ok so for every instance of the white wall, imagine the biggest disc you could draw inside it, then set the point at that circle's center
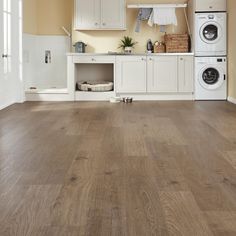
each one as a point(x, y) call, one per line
point(36, 72)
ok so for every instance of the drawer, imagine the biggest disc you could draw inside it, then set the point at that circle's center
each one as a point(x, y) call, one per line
point(94, 59)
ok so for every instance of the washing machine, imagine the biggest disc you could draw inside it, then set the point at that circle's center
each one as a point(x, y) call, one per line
point(207, 5)
point(210, 78)
point(210, 34)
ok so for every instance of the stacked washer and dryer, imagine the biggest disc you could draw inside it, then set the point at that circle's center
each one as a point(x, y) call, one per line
point(208, 25)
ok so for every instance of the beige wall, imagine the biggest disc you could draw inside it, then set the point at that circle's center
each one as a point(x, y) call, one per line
point(30, 16)
point(103, 41)
point(52, 14)
point(45, 17)
point(232, 47)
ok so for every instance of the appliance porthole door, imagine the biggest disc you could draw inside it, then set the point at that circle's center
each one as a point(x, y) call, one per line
point(211, 32)
point(211, 77)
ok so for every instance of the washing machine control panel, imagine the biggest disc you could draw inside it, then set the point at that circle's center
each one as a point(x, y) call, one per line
point(211, 17)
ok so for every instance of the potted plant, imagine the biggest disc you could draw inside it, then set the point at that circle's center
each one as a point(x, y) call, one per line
point(127, 44)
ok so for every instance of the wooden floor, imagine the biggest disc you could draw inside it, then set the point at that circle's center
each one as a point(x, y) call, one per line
point(99, 169)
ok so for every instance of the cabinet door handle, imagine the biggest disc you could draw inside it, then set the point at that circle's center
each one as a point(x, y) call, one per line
point(103, 24)
point(93, 59)
point(181, 59)
point(4, 56)
point(96, 24)
point(143, 59)
point(150, 59)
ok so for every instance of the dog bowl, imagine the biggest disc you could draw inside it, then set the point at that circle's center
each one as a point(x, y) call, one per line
point(128, 100)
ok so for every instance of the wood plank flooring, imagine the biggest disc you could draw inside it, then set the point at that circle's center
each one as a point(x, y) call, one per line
point(100, 169)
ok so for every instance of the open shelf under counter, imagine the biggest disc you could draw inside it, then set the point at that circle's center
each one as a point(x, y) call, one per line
point(94, 71)
point(93, 96)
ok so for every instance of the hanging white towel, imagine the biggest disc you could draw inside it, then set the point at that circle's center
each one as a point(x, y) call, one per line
point(163, 16)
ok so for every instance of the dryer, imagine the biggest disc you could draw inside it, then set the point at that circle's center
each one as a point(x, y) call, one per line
point(210, 36)
point(210, 78)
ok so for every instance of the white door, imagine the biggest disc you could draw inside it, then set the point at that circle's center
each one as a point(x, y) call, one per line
point(6, 95)
point(1, 49)
point(131, 74)
point(162, 74)
point(113, 14)
point(87, 14)
point(11, 87)
point(185, 74)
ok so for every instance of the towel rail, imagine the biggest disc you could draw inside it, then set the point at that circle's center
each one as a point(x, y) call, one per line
point(157, 5)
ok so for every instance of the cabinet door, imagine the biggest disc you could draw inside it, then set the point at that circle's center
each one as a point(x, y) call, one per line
point(185, 74)
point(162, 74)
point(87, 14)
point(112, 14)
point(131, 74)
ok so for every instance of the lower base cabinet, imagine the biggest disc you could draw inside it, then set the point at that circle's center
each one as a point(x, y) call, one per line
point(154, 74)
point(131, 74)
point(185, 74)
point(162, 74)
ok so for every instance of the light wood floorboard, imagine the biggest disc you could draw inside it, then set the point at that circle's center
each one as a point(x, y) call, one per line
point(100, 169)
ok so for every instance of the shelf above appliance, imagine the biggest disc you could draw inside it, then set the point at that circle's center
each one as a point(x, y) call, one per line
point(157, 5)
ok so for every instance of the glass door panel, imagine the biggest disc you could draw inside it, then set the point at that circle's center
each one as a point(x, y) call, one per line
point(7, 22)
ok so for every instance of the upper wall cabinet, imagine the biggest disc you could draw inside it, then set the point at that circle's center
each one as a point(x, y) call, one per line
point(87, 14)
point(99, 15)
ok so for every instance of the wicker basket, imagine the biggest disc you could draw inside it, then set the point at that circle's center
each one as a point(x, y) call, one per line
point(177, 43)
point(159, 47)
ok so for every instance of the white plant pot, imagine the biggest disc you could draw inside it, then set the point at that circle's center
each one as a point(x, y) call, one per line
point(128, 49)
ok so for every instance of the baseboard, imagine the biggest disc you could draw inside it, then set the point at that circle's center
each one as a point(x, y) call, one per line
point(232, 100)
point(34, 97)
point(6, 105)
point(93, 96)
point(160, 97)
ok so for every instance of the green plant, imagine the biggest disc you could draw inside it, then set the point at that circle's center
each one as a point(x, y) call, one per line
point(127, 42)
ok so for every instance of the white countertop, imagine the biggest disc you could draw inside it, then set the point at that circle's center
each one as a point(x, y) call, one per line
point(133, 54)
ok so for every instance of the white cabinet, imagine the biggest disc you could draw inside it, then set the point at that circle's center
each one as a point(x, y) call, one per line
point(185, 74)
point(99, 15)
point(112, 14)
point(162, 74)
point(87, 14)
point(94, 59)
point(131, 74)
